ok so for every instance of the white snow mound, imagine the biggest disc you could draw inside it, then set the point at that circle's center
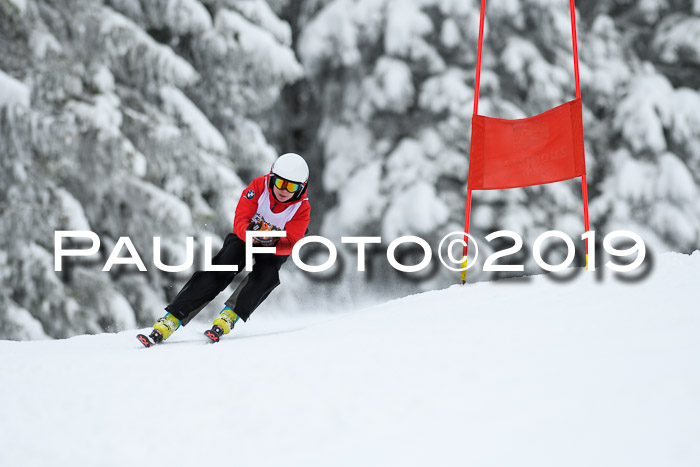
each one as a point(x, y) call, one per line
point(507, 373)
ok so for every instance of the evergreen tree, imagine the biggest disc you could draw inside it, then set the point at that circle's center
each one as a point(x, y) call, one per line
point(126, 118)
point(146, 118)
point(395, 80)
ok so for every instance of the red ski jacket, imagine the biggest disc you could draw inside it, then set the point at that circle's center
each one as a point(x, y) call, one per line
point(248, 207)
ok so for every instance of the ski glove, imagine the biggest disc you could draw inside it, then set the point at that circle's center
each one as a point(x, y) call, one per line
point(262, 241)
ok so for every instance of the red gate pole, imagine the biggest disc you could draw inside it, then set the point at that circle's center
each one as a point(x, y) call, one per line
point(584, 185)
point(475, 112)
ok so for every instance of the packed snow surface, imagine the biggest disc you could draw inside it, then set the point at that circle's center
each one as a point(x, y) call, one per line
point(509, 373)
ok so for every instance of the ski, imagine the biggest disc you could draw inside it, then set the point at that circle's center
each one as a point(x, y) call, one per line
point(145, 340)
point(149, 341)
point(214, 334)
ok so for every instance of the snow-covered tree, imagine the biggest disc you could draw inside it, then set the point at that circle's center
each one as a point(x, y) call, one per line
point(146, 118)
point(127, 118)
point(395, 84)
point(648, 109)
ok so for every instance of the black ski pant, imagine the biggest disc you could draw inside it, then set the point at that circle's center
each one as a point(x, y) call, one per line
point(204, 286)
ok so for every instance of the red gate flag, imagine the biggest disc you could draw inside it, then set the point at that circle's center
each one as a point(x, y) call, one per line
point(542, 149)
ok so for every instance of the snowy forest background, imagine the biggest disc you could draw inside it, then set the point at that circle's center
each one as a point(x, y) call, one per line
point(147, 118)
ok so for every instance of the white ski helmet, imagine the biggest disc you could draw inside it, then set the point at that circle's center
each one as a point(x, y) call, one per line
point(291, 167)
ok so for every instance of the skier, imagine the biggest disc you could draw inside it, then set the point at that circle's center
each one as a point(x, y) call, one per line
point(275, 201)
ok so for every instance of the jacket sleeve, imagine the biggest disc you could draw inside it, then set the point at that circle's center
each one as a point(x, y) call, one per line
point(295, 228)
point(247, 206)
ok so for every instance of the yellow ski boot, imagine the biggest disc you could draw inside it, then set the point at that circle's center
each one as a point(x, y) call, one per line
point(162, 329)
point(222, 324)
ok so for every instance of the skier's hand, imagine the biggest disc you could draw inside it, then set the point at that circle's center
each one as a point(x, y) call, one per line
point(262, 241)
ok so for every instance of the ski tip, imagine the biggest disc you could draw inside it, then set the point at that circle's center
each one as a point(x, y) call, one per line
point(144, 340)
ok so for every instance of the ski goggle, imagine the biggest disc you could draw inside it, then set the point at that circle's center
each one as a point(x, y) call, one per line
point(291, 187)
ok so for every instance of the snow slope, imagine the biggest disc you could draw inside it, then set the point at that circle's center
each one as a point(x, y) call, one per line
point(504, 373)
